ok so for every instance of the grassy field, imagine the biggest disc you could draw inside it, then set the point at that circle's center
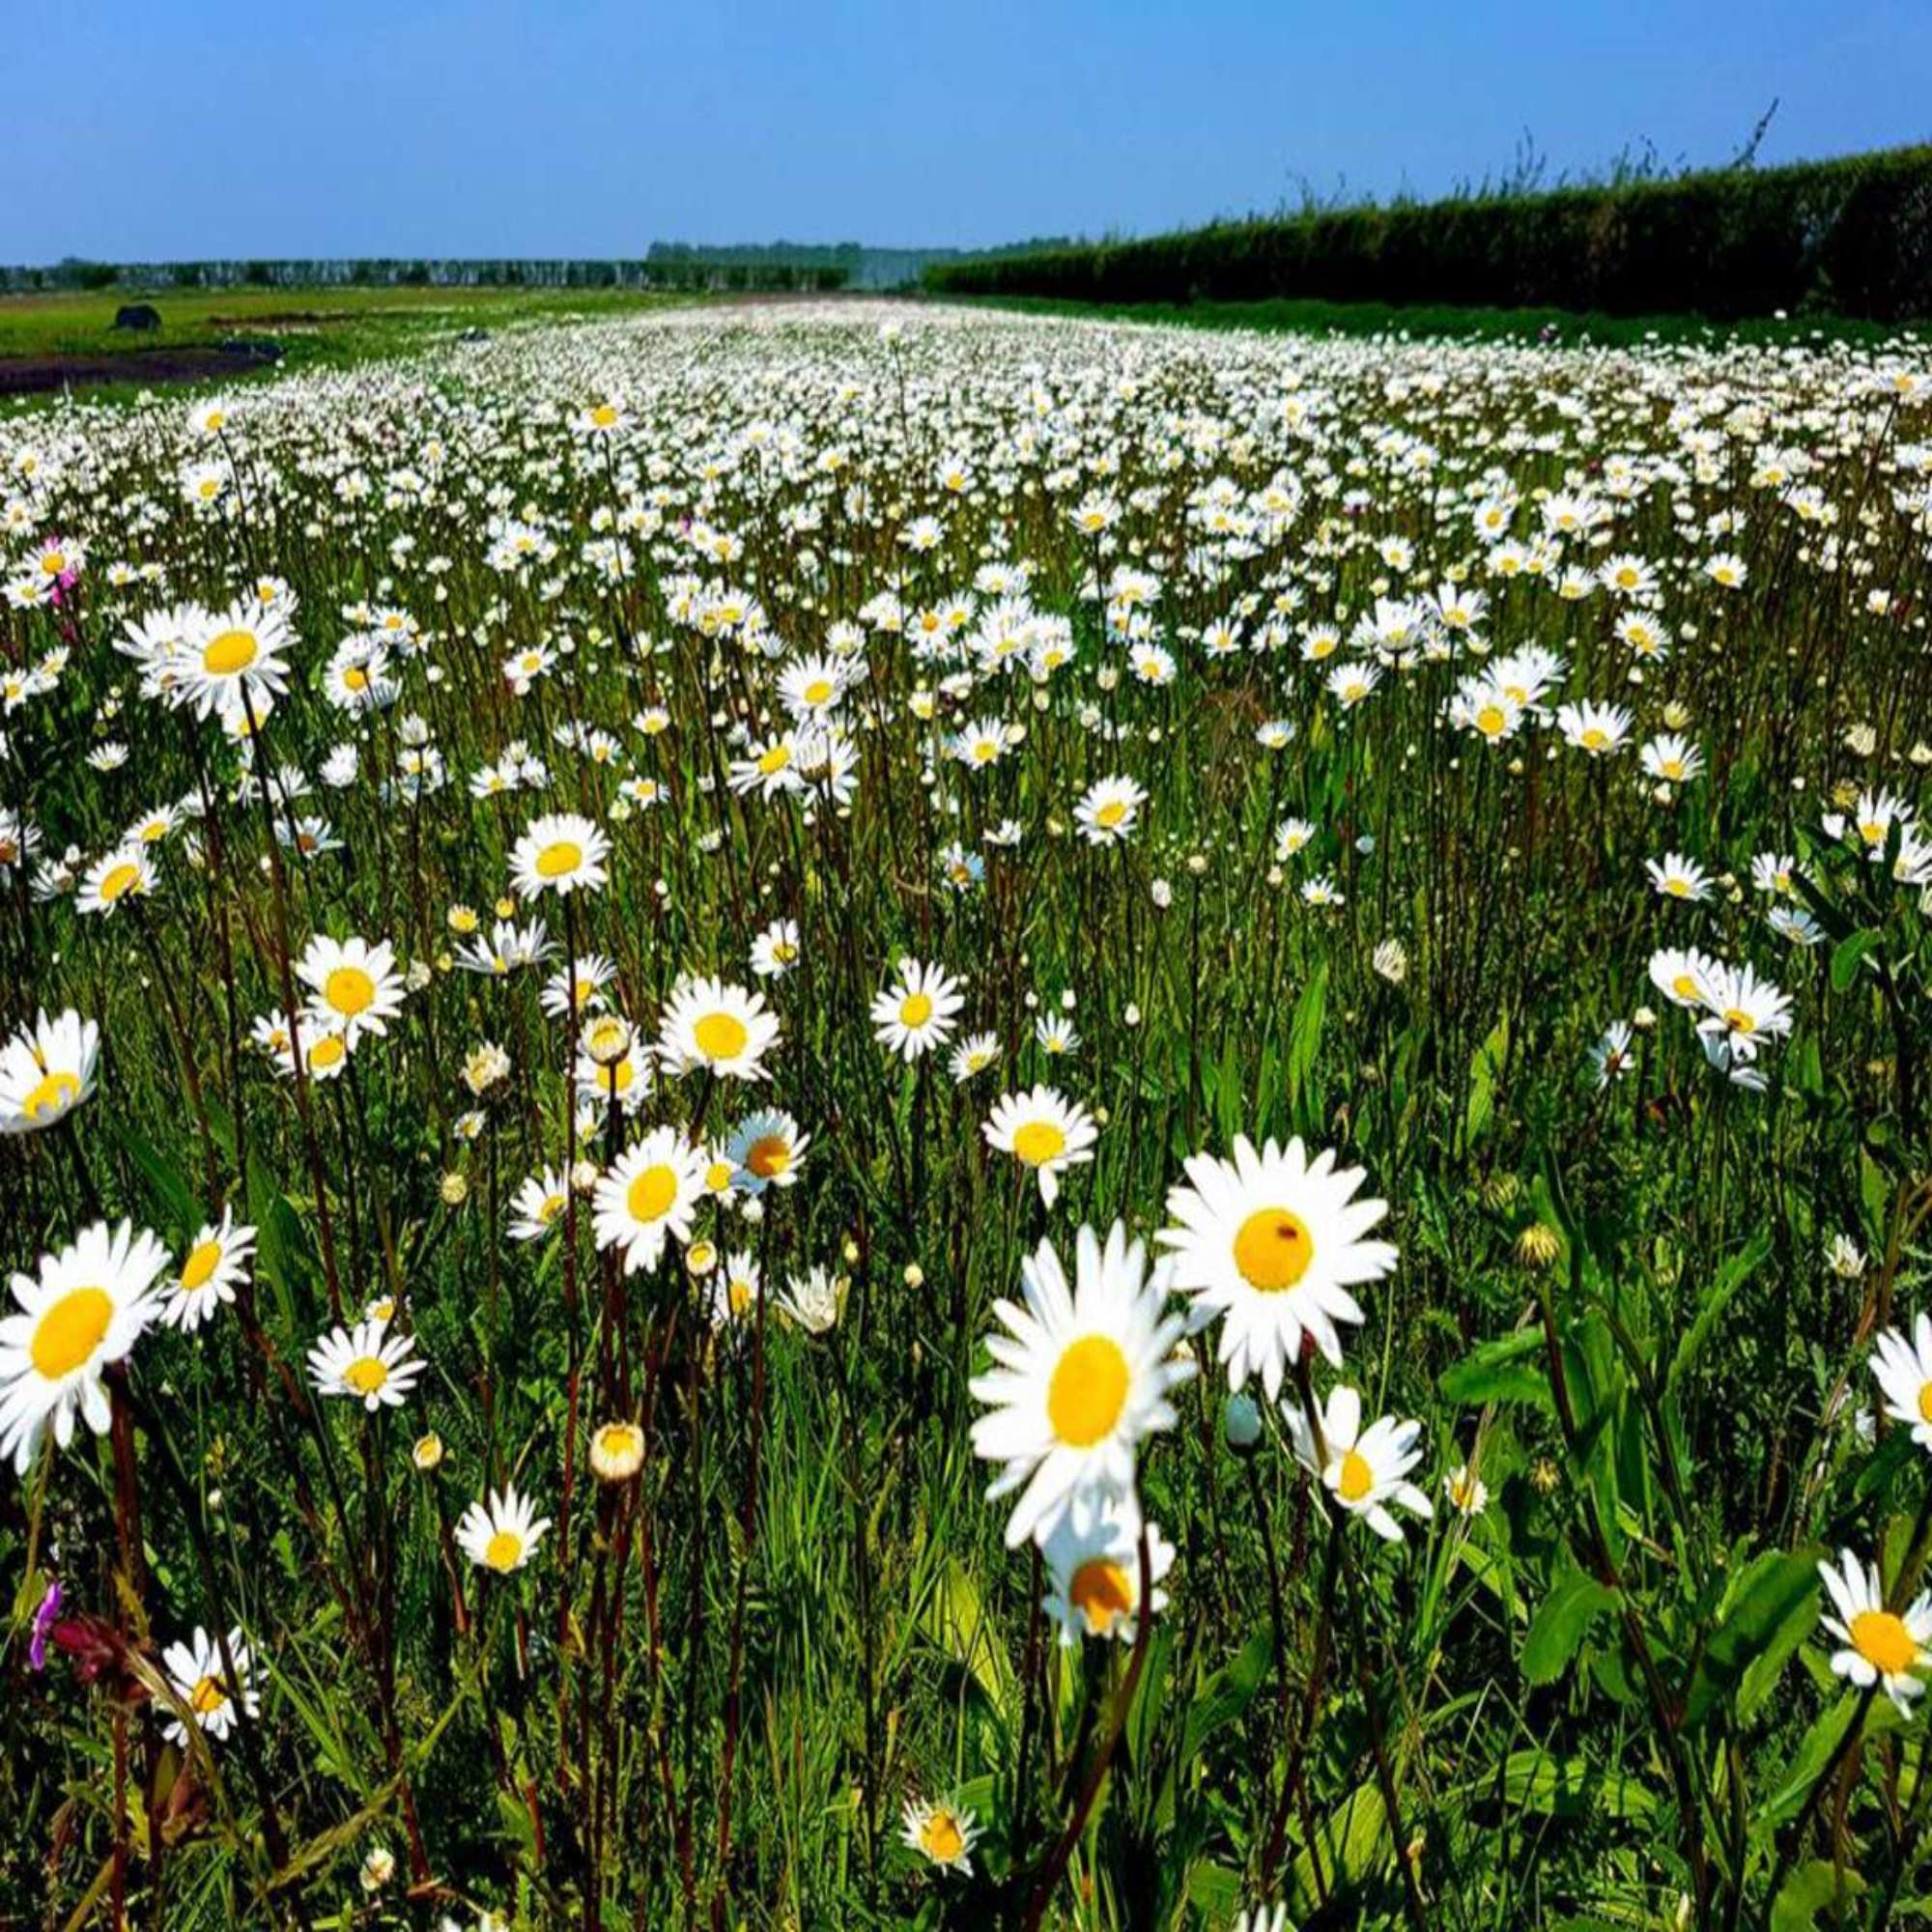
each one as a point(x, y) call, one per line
point(859, 1117)
point(1431, 321)
point(323, 327)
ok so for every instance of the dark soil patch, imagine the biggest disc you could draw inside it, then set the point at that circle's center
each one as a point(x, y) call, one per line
point(29, 374)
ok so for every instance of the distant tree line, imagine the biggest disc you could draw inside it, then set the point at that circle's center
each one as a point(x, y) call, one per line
point(687, 269)
point(1850, 237)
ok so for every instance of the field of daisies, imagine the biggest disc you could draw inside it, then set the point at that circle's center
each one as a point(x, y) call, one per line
point(859, 1117)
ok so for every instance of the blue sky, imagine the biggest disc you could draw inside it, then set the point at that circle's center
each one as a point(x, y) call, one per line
point(195, 128)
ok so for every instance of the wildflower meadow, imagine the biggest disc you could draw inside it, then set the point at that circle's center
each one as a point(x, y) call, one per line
point(862, 1114)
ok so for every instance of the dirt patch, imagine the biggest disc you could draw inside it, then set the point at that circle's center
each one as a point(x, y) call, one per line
point(30, 374)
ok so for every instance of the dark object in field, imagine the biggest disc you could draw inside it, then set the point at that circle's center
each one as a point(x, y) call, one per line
point(22, 374)
point(258, 348)
point(137, 315)
point(474, 334)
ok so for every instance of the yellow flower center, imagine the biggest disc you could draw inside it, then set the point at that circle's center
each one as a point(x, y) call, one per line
point(366, 1374)
point(1110, 813)
point(1272, 1249)
point(652, 1193)
point(504, 1550)
point(1740, 1021)
point(769, 1156)
point(915, 1010)
point(327, 1052)
point(348, 990)
point(54, 1094)
point(69, 1333)
point(355, 678)
point(1490, 721)
point(558, 858)
point(1039, 1142)
point(774, 762)
point(1102, 1592)
point(1884, 1642)
point(605, 415)
point(1356, 1478)
point(118, 879)
point(818, 691)
point(207, 1697)
point(1595, 738)
point(943, 1838)
point(721, 1036)
point(1925, 1402)
point(1087, 1391)
point(202, 1262)
point(229, 652)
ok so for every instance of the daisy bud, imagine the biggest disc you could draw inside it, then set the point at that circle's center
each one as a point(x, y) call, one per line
point(1241, 1422)
point(915, 1275)
point(427, 1452)
point(617, 1451)
point(584, 1177)
point(454, 1189)
point(1537, 1245)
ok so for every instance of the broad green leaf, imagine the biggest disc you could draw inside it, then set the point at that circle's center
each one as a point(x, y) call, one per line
point(1501, 1371)
point(1769, 1611)
point(1561, 1622)
point(1808, 1891)
point(1715, 1302)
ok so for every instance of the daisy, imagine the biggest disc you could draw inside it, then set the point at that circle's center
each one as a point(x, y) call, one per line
point(1682, 977)
point(353, 986)
point(765, 1150)
point(85, 1309)
point(736, 1290)
point(1679, 878)
point(202, 1683)
point(776, 950)
point(1881, 1647)
point(561, 852)
point(1745, 1009)
point(1904, 1371)
point(1672, 757)
point(501, 1534)
point(579, 986)
point(234, 662)
point(367, 1363)
point(1044, 1131)
point(211, 1271)
point(917, 1012)
point(815, 1300)
point(1094, 1573)
point(648, 1197)
point(1273, 1241)
point(943, 1834)
point(1364, 1470)
point(725, 1030)
point(1468, 1493)
point(126, 873)
point(46, 1070)
point(1080, 1376)
point(536, 1205)
point(1107, 811)
point(974, 1055)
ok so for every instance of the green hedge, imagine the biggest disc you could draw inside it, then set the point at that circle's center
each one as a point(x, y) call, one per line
point(1850, 237)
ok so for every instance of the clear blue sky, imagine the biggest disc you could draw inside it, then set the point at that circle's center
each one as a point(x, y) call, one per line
point(163, 128)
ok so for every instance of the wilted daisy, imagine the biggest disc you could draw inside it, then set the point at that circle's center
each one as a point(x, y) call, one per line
point(83, 1309)
point(560, 853)
point(917, 1011)
point(711, 1027)
point(1043, 1130)
point(200, 1679)
point(1094, 1572)
point(1879, 1646)
point(1080, 1376)
point(46, 1070)
point(649, 1198)
point(502, 1533)
point(1273, 1241)
point(215, 1266)
point(943, 1832)
point(367, 1364)
point(1364, 1470)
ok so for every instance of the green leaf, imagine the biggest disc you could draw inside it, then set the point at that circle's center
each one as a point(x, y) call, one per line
point(1808, 1891)
point(1304, 1034)
point(171, 1193)
point(1498, 1372)
point(1552, 1787)
point(1718, 1299)
point(1484, 1071)
point(1227, 1693)
point(1560, 1625)
point(1848, 955)
point(1350, 1841)
point(1771, 1610)
point(958, 1622)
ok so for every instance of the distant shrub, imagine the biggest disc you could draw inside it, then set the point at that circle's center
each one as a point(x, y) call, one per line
point(1850, 237)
